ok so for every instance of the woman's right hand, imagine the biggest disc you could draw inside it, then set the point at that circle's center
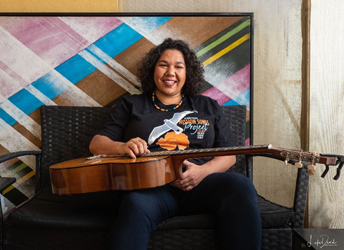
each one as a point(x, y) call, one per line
point(135, 147)
point(103, 145)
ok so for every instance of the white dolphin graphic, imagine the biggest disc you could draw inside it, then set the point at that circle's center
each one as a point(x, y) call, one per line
point(168, 125)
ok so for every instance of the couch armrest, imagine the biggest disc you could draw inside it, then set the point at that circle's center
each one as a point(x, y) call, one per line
point(5, 182)
point(13, 155)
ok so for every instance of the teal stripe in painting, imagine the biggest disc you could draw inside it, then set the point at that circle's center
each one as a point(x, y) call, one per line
point(230, 103)
point(25, 101)
point(75, 69)
point(6, 117)
point(118, 40)
point(50, 85)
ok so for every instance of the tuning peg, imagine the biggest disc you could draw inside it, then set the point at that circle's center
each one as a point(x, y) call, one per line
point(311, 167)
point(311, 173)
point(299, 164)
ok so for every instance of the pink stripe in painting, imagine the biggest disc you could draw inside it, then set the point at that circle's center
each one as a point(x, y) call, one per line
point(55, 39)
point(92, 28)
point(47, 37)
point(217, 95)
point(236, 83)
point(231, 87)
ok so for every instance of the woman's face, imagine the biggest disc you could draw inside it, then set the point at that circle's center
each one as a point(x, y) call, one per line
point(170, 74)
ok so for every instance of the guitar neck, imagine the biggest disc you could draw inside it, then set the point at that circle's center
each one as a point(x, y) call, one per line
point(267, 149)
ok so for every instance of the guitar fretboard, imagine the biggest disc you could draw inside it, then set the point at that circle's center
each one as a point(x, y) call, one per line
point(208, 150)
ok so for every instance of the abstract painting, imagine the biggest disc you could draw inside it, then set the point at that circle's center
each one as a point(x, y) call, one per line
point(91, 60)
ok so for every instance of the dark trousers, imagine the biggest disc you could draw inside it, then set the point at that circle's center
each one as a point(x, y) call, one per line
point(230, 196)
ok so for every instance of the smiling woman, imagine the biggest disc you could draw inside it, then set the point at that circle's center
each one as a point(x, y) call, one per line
point(171, 77)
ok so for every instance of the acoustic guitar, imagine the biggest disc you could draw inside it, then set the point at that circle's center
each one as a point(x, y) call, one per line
point(113, 172)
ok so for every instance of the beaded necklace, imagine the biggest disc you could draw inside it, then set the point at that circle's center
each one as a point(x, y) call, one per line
point(166, 110)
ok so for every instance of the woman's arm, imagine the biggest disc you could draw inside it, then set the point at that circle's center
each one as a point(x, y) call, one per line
point(194, 173)
point(104, 145)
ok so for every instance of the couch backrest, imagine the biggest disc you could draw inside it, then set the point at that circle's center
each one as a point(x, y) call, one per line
point(67, 132)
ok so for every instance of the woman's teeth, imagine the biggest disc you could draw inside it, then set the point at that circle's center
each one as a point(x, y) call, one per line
point(169, 82)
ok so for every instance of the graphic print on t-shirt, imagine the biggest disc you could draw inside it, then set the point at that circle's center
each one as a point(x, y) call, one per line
point(178, 123)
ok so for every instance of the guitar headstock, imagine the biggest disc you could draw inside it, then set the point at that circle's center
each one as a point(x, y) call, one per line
point(296, 157)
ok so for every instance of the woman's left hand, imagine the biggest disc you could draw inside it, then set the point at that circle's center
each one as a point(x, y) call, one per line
point(193, 175)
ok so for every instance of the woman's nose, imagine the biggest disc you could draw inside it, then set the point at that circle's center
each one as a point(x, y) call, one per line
point(170, 71)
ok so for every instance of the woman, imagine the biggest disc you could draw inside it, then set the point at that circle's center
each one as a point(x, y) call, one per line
point(170, 115)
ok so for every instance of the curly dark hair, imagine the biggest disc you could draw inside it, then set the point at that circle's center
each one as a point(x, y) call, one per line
point(194, 70)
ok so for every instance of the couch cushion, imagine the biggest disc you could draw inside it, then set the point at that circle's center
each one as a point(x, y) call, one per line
point(274, 215)
point(92, 211)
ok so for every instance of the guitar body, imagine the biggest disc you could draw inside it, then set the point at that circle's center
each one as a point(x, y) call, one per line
point(113, 173)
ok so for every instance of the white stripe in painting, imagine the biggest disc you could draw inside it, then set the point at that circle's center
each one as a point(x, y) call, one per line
point(112, 75)
point(115, 65)
point(13, 141)
point(20, 59)
point(21, 118)
point(9, 86)
point(2, 98)
point(39, 95)
point(230, 91)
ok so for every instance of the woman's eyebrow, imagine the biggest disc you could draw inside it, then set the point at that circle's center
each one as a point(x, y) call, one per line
point(164, 61)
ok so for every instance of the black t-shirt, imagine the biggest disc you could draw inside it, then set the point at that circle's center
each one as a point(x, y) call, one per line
point(198, 123)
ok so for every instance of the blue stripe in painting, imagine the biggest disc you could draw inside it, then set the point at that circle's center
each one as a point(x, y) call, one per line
point(6, 117)
point(51, 85)
point(118, 40)
point(25, 101)
point(75, 69)
point(230, 103)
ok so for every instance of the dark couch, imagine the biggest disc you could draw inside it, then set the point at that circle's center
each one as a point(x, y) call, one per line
point(49, 221)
